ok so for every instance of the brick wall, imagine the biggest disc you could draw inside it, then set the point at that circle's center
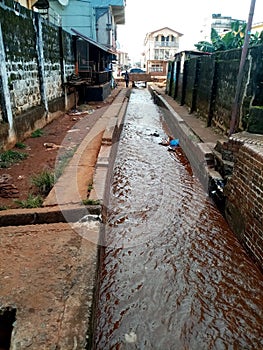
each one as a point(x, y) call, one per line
point(244, 199)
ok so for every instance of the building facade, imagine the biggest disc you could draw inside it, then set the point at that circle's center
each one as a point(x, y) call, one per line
point(257, 28)
point(222, 24)
point(160, 46)
point(95, 19)
point(95, 24)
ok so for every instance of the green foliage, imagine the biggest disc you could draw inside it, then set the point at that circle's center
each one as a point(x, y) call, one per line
point(44, 182)
point(90, 187)
point(205, 46)
point(10, 157)
point(20, 145)
point(31, 202)
point(37, 133)
point(3, 207)
point(256, 39)
point(232, 39)
point(91, 202)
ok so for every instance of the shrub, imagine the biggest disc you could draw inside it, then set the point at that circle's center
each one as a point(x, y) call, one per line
point(91, 202)
point(31, 201)
point(10, 157)
point(20, 145)
point(3, 207)
point(37, 133)
point(44, 181)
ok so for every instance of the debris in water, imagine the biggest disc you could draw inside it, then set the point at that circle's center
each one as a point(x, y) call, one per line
point(130, 337)
point(174, 142)
point(156, 134)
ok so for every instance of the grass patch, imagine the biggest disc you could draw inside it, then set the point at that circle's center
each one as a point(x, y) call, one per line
point(44, 182)
point(20, 145)
point(3, 207)
point(10, 157)
point(91, 202)
point(37, 133)
point(31, 202)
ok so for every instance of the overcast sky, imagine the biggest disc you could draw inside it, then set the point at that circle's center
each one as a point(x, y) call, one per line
point(184, 16)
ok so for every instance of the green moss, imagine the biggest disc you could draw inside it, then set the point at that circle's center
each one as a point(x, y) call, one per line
point(255, 120)
point(91, 202)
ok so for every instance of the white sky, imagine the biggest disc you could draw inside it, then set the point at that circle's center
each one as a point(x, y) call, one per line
point(183, 16)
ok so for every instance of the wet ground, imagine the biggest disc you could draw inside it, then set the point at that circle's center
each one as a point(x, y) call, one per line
point(173, 276)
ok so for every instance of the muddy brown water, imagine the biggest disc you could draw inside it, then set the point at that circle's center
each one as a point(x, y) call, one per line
point(173, 275)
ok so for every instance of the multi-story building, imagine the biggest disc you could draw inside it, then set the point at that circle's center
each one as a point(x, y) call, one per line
point(122, 62)
point(257, 28)
point(95, 19)
point(160, 46)
point(94, 24)
point(223, 23)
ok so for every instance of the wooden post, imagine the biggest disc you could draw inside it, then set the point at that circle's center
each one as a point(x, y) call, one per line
point(6, 100)
point(236, 105)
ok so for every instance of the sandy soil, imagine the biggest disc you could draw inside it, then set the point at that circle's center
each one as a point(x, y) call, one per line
point(63, 133)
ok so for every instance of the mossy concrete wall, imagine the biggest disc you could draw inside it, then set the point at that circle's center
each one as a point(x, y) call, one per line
point(190, 82)
point(38, 59)
point(208, 87)
point(204, 96)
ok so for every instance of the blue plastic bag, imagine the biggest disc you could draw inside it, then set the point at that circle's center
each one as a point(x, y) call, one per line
point(174, 142)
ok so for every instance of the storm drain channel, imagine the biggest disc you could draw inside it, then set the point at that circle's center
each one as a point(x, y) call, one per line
point(172, 274)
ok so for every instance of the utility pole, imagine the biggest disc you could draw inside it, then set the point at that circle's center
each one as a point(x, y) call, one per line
point(236, 105)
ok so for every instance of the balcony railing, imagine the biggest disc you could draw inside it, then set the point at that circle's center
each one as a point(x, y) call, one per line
point(166, 44)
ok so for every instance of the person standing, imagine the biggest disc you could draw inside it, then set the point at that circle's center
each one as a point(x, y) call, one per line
point(127, 78)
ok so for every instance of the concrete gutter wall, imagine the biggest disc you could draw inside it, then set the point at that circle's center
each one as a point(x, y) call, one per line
point(197, 152)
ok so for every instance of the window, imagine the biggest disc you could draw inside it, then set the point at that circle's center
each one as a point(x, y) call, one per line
point(156, 68)
point(167, 54)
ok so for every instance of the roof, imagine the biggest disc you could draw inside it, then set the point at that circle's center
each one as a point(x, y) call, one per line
point(165, 28)
point(93, 42)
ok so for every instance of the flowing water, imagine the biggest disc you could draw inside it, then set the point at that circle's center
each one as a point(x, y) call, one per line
point(173, 274)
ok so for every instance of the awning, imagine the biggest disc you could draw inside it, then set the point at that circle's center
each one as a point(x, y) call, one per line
point(95, 43)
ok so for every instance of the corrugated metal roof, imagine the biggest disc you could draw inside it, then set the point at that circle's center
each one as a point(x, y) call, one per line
point(93, 42)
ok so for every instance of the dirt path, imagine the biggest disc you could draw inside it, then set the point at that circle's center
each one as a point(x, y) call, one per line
point(65, 132)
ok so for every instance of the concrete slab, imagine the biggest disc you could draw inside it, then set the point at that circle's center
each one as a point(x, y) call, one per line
point(47, 274)
point(73, 184)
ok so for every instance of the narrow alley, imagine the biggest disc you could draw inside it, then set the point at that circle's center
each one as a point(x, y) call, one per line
point(173, 276)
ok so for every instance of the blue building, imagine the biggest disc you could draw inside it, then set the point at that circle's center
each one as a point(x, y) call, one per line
point(95, 19)
point(94, 26)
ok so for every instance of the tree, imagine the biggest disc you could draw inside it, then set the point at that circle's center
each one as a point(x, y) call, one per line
point(232, 39)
